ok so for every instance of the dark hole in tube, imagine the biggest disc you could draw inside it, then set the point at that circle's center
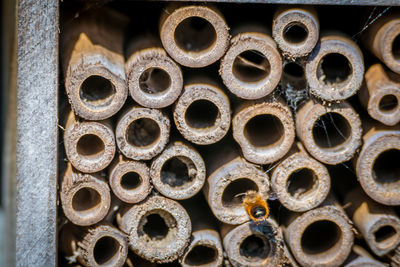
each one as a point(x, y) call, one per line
point(388, 103)
point(142, 132)
point(105, 249)
point(233, 193)
point(178, 171)
point(155, 227)
point(335, 67)
point(85, 199)
point(154, 81)
point(295, 33)
point(130, 180)
point(396, 47)
point(301, 182)
point(201, 114)
point(195, 34)
point(385, 233)
point(251, 66)
point(200, 255)
point(386, 168)
point(97, 91)
point(331, 130)
point(263, 130)
point(320, 236)
point(255, 248)
point(90, 145)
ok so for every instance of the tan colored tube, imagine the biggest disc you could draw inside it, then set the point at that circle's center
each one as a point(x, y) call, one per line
point(361, 258)
point(381, 96)
point(378, 224)
point(130, 180)
point(252, 66)
point(377, 166)
point(332, 133)
point(178, 172)
point(85, 198)
point(142, 133)
point(264, 129)
point(158, 229)
point(226, 182)
point(202, 113)
point(247, 245)
point(335, 71)
point(320, 237)
point(102, 245)
point(382, 39)
point(296, 30)
point(300, 182)
point(93, 64)
point(154, 79)
point(89, 145)
point(194, 36)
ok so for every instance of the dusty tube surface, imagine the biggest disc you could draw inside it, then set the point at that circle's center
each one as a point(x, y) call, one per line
point(130, 180)
point(377, 166)
point(381, 96)
point(296, 31)
point(331, 134)
point(246, 245)
point(335, 71)
point(378, 224)
point(102, 245)
point(158, 229)
point(93, 64)
point(383, 40)
point(85, 198)
point(142, 133)
point(252, 66)
point(300, 182)
point(361, 258)
point(154, 79)
point(320, 237)
point(226, 182)
point(202, 113)
point(178, 172)
point(264, 130)
point(89, 145)
point(194, 36)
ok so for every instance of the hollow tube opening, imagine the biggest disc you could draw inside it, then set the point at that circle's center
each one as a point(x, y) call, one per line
point(97, 91)
point(251, 66)
point(331, 130)
point(320, 237)
point(178, 171)
point(143, 132)
point(255, 248)
point(234, 192)
point(388, 103)
point(386, 168)
point(301, 182)
point(130, 181)
point(201, 255)
point(396, 47)
point(201, 114)
point(195, 34)
point(295, 33)
point(155, 226)
point(106, 250)
point(90, 145)
point(334, 68)
point(86, 199)
point(264, 130)
point(154, 81)
point(386, 236)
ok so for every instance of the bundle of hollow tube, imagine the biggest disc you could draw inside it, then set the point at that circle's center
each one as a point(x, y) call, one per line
point(161, 151)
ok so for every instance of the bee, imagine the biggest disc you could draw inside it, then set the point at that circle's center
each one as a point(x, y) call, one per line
point(255, 206)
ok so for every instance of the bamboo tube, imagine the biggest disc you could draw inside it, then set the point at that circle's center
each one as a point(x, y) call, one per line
point(85, 198)
point(101, 245)
point(194, 36)
point(331, 134)
point(378, 224)
point(361, 258)
point(130, 180)
point(158, 229)
point(381, 96)
point(264, 130)
point(248, 245)
point(377, 167)
point(93, 64)
point(252, 66)
point(178, 172)
point(296, 30)
point(335, 71)
point(320, 237)
point(202, 112)
point(300, 182)
point(142, 133)
point(154, 79)
point(89, 145)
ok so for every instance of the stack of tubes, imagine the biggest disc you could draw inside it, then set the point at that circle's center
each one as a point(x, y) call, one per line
point(159, 161)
